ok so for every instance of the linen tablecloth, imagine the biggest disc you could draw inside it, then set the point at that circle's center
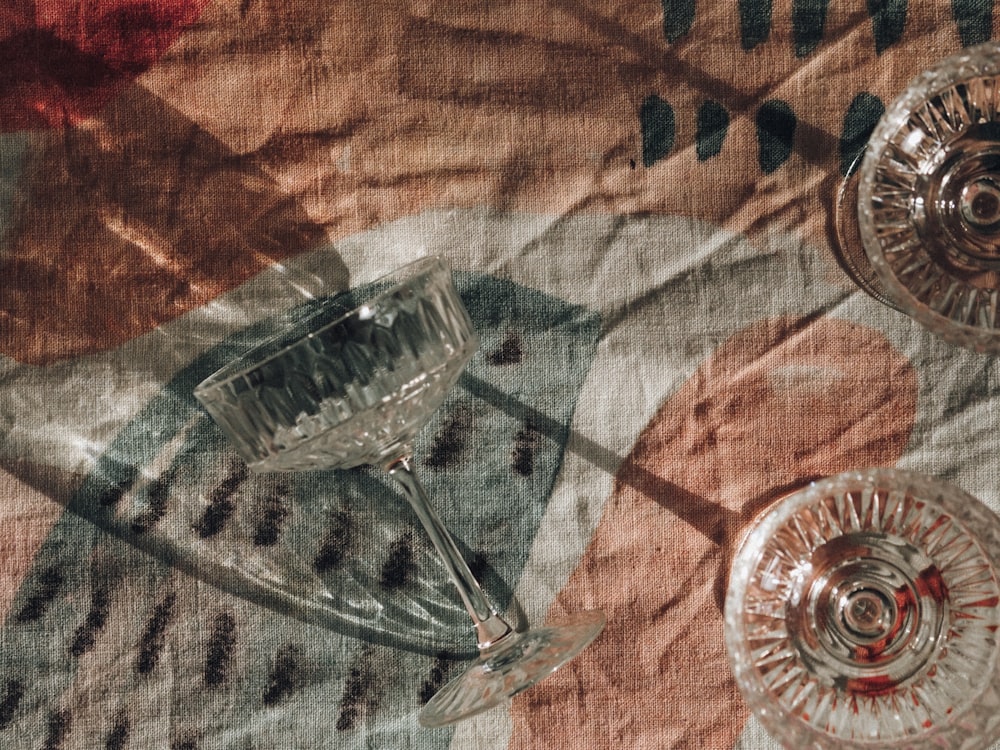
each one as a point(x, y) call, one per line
point(637, 200)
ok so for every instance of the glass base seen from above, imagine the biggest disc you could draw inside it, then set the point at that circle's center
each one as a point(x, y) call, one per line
point(510, 667)
point(862, 612)
point(928, 204)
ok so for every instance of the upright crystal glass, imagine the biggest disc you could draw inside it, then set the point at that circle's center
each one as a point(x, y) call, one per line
point(862, 613)
point(356, 391)
point(928, 202)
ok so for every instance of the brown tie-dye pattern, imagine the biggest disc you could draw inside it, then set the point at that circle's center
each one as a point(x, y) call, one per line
point(131, 222)
point(362, 113)
point(781, 402)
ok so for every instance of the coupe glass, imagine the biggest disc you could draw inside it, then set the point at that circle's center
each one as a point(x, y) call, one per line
point(928, 202)
point(862, 613)
point(356, 391)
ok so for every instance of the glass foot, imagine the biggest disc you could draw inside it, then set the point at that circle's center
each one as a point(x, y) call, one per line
point(512, 666)
point(862, 612)
point(928, 204)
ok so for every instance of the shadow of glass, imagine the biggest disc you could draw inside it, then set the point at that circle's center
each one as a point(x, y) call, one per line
point(129, 221)
point(341, 549)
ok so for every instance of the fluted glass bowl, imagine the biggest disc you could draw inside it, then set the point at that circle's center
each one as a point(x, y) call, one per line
point(351, 391)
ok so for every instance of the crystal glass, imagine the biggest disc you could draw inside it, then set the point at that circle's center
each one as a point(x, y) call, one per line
point(356, 390)
point(928, 202)
point(862, 613)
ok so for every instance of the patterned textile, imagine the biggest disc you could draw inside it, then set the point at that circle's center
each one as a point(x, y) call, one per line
point(637, 199)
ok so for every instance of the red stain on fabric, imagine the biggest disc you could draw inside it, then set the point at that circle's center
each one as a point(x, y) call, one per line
point(778, 404)
point(60, 62)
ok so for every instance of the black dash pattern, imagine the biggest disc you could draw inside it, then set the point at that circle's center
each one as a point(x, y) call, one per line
point(221, 504)
point(436, 678)
point(47, 587)
point(525, 443)
point(10, 699)
point(399, 566)
point(336, 542)
point(154, 635)
point(273, 513)
point(776, 125)
point(118, 736)
point(448, 443)
point(712, 127)
point(221, 644)
point(286, 674)
point(510, 352)
point(86, 634)
point(157, 500)
point(361, 693)
point(656, 119)
point(58, 727)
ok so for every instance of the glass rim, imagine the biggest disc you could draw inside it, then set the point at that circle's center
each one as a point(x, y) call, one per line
point(950, 496)
point(245, 362)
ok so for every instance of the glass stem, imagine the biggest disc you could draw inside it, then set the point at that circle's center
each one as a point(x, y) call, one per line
point(490, 626)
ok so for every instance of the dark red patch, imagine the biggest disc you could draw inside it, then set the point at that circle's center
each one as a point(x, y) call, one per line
point(930, 584)
point(61, 62)
point(873, 685)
